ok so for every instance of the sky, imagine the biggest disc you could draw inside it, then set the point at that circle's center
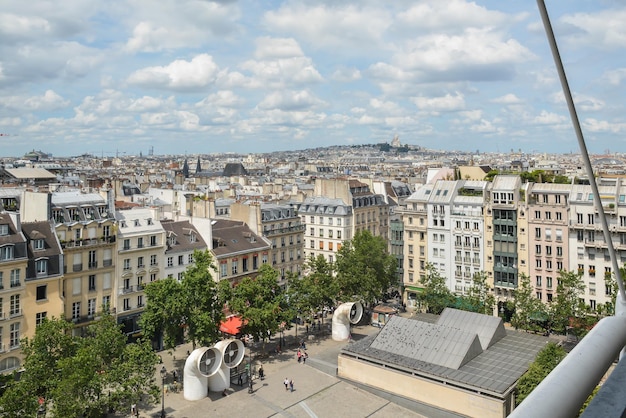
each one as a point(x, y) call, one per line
point(126, 77)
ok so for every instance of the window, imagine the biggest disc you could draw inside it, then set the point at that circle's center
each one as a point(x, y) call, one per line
point(15, 278)
point(38, 244)
point(127, 264)
point(126, 304)
point(106, 303)
point(170, 261)
point(126, 244)
point(537, 214)
point(91, 307)
point(153, 277)
point(75, 310)
point(180, 260)
point(14, 336)
point(223, 270)
point(548, 250)
point(190, 258)
point(233, 266)
point(4, 229)
point(538, 249)
point(41, 266)
point(153, 240)
point(537, 232)
point(538, 281)
point(91, 280)
point(339, 234)
point(140, 262)
point(39, 318)
point(139, 301)
point(153, 260)
point(42, 292)
point(6, 252)
point(140, 242)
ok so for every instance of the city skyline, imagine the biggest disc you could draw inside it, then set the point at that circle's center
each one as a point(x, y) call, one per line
point(240, 76)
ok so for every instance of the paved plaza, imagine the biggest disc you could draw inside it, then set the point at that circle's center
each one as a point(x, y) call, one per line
point(317, 390)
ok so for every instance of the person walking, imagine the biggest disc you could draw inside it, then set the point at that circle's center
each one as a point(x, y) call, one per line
point(261, 373)
point(299, 355)
point(286, 382)
point(304, 357)
point(291, 384)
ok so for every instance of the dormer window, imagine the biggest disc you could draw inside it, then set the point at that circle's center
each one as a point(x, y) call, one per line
point(6, 252)
point(136, 222)
point(4, 229)
point(192, 237)
point(149, 221)
point(39, 244)
point(123, 224)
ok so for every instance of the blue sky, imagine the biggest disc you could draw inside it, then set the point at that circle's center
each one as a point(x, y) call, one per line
point(197, 76)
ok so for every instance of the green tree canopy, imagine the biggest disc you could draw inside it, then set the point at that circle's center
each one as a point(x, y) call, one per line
point(436, 295)
point(567, 309)
point(480, 297)
point(86, 375)
point(261, 303)
point(365, 269)
point(315, 290)
point(194, 305)
point(546, 360)
point(530, 313)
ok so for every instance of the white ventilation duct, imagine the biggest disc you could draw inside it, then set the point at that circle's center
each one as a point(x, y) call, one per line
point(201, 364)
point(346, 314)
point(232, 353)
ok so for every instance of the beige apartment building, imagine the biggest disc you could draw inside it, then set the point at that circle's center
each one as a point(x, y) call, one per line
point(282, 226)
point(13, 266)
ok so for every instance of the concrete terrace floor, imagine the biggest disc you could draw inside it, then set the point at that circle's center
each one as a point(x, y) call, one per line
point(318, 392)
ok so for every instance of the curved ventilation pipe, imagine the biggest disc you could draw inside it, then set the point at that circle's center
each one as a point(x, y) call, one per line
point(346, 314)
point(200, 365)
point(232, 353)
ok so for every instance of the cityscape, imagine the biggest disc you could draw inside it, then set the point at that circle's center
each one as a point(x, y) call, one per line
point(87, 233)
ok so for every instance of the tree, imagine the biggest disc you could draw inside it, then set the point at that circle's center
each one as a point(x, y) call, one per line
point(193, 305)
point(86, 376)
point(314, 291)
point(480, 298)
point(530, 313)
point(567, 310)
point(261, 303)
point(546, 360)
point(436, 296)
point(365, 269)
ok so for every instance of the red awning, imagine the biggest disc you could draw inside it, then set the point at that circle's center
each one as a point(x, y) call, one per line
point(231, 325)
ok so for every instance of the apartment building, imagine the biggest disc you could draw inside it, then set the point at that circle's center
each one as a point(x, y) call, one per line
point(415, 220)
point(140, 253)
point(44, 275)
point(548, 224)
point(329, 222)
point(181, 240)
point(588, 249)
point(504, 221)
point(13, 267)
point(238, 251)
point(282, 226)
point(467, 226)
point(85, 226)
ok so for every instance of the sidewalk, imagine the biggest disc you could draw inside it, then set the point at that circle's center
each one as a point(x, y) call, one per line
point(317, 390)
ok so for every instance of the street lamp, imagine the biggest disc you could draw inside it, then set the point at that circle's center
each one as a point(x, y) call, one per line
point(163, 376)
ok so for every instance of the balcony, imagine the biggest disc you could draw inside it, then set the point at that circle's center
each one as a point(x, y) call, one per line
point(77, 267)
point(93, 265)
point(16, 284)
point(15, 313)
point(107, 263)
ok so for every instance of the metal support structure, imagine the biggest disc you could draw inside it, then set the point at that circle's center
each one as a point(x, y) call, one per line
point(581, 143)
point(250, 372)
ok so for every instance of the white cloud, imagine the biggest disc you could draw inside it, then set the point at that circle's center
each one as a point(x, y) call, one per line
point(331, 25)
point(548, 118)
point(616, 76)
point(508, 98)
point(445, 103)
point(201, 71)
point(290, 100)
point(600, 29)
point(345, 75)
point(595, 125)
point(271, 48)
point(50, 100)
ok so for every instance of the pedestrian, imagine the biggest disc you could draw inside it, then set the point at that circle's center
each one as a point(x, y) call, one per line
point(304, 357)
point(175, 376)
point(291, 384)
point(307, 328)
point(133, 410)
point(299, 355)
point(261, 373)
point(286, 382)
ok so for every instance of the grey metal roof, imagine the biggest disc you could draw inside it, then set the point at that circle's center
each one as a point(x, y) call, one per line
point(495, 370)
point(490, 329)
